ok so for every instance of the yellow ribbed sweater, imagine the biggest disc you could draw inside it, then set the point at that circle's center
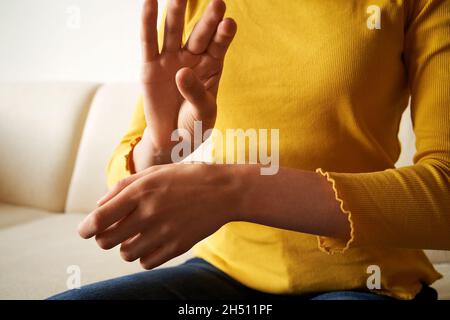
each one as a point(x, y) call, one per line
point(335, 77)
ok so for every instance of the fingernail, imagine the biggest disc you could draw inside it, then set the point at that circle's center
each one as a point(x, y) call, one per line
point(84, 228)
point(80, 229)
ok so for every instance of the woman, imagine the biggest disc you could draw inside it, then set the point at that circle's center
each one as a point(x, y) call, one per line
point(334, 77)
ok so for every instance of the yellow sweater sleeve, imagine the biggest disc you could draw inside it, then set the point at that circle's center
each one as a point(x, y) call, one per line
point(117, 167)
point(409, 207)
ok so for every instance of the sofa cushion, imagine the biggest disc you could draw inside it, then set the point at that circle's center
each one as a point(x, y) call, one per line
point(107, 122)
point(40, 129)
point(11, 215)
point(443, 285)
point(438, 256)
point(36, 255)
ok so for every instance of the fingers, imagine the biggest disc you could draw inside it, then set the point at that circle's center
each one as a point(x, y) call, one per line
point(204, 31)
point(105, 216)
point(119, 186)
point(122, 184)
point(120, 202)
point(160, 256)
point(193, 90)
point(173, 32)
point(222, 39)
point(141, 245)
point(149, 33)
point(121, 231)
point(115, 190)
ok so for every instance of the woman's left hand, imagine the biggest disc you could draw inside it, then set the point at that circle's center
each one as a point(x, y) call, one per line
point(163, 211)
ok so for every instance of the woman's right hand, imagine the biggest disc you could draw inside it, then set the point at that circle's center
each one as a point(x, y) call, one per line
point(180, 83)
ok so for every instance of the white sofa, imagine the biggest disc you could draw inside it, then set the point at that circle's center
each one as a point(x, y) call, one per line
point(55, 140)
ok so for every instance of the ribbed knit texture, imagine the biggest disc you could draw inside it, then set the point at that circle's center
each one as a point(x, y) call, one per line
point(336, 90)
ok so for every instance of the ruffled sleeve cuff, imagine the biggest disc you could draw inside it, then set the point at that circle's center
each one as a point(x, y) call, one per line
point(335, 245)
point(129, 163)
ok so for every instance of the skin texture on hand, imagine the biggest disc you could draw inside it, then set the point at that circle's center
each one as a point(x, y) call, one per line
point(180, 83)
point(163, 211)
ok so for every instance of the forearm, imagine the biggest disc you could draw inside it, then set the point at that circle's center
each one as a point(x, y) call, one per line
point(293, 199)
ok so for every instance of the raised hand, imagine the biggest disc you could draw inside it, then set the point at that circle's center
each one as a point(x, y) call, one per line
point(180, 83)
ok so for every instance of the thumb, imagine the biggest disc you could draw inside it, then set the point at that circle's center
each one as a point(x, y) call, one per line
point(194, 91)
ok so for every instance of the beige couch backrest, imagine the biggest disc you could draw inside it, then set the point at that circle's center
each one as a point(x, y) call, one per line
point(438, 256)
point(107, 121)
point(40, 128)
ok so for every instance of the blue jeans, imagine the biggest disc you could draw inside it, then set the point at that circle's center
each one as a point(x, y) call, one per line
point(197, 279)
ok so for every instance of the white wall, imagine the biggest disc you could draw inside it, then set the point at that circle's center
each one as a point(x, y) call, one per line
point(42, 40)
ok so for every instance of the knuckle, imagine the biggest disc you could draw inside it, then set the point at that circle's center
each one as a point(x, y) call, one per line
point(147, 218)
point(95, 220)
point(126, 254)
point(103, 243)
point(139, 185)
point(165, 230)
point(177, 247)
point(156, 211)
point(176, 7)
point(138, 193)
point(165, 62)
point(147, 68)
point(211, 22)
point(173, 29)
point(144, 264)
point(222, 43)
point(155, 168)
point(122, 184)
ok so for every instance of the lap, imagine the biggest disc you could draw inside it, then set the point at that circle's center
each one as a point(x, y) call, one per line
point(195, 279)
point(350, 295)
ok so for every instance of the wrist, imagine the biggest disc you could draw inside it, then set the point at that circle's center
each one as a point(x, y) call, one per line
point(147, 154)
